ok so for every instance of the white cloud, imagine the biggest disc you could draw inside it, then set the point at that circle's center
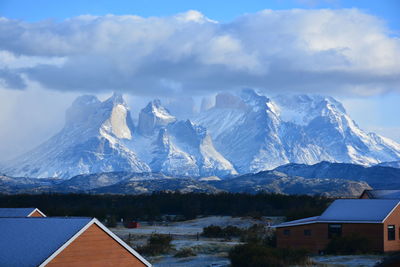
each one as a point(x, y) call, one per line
point(327, 51)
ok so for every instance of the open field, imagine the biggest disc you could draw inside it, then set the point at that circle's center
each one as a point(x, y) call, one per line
point(187, 234)
point(214, 251)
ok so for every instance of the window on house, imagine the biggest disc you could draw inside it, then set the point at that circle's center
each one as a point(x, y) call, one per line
point(334, 230)
point(307, 232)
point(391, 232)
point(286, 232)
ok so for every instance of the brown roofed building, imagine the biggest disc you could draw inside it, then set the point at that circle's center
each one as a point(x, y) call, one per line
point(378, 220)
point(20, 212)
point(380, 194)
point(63, 242)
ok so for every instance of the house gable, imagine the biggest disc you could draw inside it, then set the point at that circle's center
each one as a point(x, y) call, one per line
point(392, 219)
point(95, 245)
point(26, 241)
point(36, 213)
point(17, 212)
point(365, 194)
point(380, 194)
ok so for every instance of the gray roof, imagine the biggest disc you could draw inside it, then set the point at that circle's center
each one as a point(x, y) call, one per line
point(15, 212)
point(299, 222)
point(30, 241)
point(383, 194)
point(371, 210)
point(351, 211)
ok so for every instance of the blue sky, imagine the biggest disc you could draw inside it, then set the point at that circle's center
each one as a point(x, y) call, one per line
point(221, 10)
point(50, 53)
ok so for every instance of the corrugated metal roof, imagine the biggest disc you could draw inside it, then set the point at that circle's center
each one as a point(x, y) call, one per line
point(374, 210)
point(298, 222)
point(384, 194)
point(30, 241)
point(15, 212)
point(351, 211)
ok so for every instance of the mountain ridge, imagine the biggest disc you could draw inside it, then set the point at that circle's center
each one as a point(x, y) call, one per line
point(242, 133)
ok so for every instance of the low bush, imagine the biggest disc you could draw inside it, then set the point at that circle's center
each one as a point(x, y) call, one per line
point(270, 239)
point(111, 221)
point(348, 245)
point(256, 234)
point(157, 244)
point(257, 255)
point(390, 260)
point(219, 232)
point(212, 231)
point(185, 252)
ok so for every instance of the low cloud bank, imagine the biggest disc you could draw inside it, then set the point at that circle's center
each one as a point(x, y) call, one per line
point(345, 52)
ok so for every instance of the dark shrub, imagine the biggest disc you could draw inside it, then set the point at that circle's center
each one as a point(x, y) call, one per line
point(391, 260)
point(232, 231)
point(185, 252)
point(157, 244)
point(212, 231)
point(217, 231)
point(270, 239)
point(348, 245)
point(256, 255)
point(111, 221)
point(257, 233)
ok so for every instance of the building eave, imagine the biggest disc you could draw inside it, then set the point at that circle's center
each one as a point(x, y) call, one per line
point(36, 209)
point(107, 231)
point(387, 216)
point(315, 222)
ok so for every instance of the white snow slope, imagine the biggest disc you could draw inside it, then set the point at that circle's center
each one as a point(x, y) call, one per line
point(242, 133)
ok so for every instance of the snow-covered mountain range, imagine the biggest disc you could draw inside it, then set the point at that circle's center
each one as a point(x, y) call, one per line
point(243, 133)
point(256, 133)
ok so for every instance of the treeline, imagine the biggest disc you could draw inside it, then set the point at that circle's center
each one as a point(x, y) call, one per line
point(154, 206)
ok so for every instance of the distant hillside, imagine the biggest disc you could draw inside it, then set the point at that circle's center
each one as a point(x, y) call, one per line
point(393, 164)
point(146, 183)
point(278, 182)
point(378, 177)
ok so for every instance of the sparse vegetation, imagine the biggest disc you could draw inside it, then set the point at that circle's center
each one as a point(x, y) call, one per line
point(348, 245)
point(256, 234)
point(257, 255)
point(111, 221)
point(219, 232)
point(157, 244)
point(391, 260)
point(184, 253)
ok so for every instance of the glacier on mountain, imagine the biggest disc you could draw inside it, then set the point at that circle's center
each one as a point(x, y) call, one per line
point(257, 133)
point(240, 133)
point(90, 142)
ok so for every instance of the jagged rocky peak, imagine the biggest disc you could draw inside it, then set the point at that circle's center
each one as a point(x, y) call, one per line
point(251, 97)
point(117, 98)
point(110, 116)
point(119, 122)
point(301, 109)
point(187, 132)
point(258, 102)
point(153, 116)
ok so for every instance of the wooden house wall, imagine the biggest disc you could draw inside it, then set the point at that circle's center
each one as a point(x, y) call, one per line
point(94, 247)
